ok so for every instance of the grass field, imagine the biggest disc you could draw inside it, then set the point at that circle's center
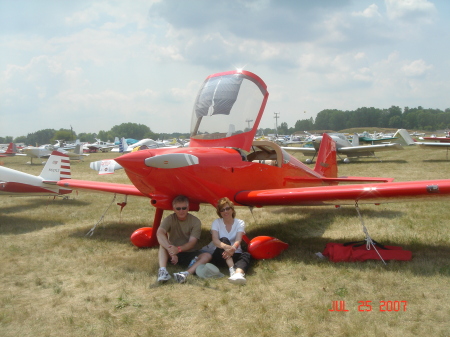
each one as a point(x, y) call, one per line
point(58, 282)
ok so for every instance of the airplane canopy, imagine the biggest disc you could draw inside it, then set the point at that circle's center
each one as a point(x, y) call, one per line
point(228, 109)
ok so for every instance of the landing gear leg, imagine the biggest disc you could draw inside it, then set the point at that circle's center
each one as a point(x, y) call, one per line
point(156, 222)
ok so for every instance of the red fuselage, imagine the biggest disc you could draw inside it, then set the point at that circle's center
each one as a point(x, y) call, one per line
point(221, 172)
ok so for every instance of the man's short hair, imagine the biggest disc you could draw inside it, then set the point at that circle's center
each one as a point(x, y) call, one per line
point(180, 199)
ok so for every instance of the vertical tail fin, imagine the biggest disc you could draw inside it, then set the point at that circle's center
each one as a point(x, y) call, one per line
point(56, 168)
point(12, 149)
point(326, 163)
point(355, 140)
point(403, 137)
point(123, 146)
point(78, 149)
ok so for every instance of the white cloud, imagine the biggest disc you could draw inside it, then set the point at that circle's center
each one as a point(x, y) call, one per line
point(108, 62)
point(411, 10)
point(369, 12)
point(416, 68)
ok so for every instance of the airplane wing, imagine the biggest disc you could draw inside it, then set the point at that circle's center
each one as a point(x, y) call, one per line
point(369, 148)
point(345, 194)
point(100, 187)
point(433, 145)
point(306, 151)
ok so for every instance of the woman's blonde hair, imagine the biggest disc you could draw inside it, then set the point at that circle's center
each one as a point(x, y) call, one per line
point(223, 203)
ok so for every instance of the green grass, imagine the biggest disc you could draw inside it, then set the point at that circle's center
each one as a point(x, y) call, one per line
point(57, 281)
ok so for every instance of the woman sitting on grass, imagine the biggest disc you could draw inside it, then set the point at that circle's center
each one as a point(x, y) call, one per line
point(227, 235)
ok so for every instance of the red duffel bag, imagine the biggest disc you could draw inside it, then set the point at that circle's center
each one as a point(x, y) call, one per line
point(357, 251)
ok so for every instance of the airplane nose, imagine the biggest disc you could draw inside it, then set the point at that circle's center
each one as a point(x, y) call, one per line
point(134, 162)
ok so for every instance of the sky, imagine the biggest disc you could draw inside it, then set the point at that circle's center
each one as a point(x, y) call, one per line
point(95, 64)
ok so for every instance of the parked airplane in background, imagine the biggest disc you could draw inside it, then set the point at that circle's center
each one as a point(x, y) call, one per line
point(10, 151)
point(99, 145)
point(445, 139)
point(129, 141)
point(44, 151)
point(365, 137)
point(343, 146)
point(223, 160)
point(57, 168)
point(441, 143)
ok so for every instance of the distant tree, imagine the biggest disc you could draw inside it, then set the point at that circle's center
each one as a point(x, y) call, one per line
point(87, 137)
point(63, 134)
point(20, 139)
point(337, 120)
point(283, 129)
point(40, 137)
point(395, 122)
point(304, 125)
point(130, 130)
point(323, 119)
point(105, 135)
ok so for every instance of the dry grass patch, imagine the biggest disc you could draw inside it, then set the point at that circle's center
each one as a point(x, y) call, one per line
point(57, 281)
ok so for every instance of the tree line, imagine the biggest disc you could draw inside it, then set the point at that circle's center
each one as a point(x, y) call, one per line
point(329, 119)
point(127, 130)
point(410, 118)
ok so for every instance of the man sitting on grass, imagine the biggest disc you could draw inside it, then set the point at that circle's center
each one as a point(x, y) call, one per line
point(177, 236)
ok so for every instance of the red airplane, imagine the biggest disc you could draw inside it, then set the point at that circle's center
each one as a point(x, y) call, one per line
point(223, 160)
point(10, 151)
point(445, 139)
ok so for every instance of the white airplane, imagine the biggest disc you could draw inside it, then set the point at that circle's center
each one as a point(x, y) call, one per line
point(17, 183)
point(343, 146)
point(99, 145)
point(44, 151)
point(149, 143)
point(439, 144)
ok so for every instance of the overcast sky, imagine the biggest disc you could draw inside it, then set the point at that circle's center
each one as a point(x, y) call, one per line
point(95, 64)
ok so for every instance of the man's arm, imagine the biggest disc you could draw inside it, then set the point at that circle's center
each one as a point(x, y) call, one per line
point(188, 245)
point(164, 242)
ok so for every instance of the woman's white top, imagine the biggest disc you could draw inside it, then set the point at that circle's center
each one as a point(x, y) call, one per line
point(238, 226)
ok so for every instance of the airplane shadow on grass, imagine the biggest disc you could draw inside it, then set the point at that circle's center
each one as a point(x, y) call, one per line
point(436, 160)
point(120, 232)
point(12, 224)
point(305, 239)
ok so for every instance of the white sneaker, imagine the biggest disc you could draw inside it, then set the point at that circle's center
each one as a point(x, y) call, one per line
point(232, 271)
point(181, 277)
point(237, 278)
point(163, 275)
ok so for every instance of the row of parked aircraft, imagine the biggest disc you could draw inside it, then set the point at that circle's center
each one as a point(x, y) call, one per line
point(223, 163)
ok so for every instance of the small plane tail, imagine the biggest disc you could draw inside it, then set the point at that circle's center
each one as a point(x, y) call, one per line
point(355, 140)
point(123, 146)
point(403, 137)
point(12, 149)
point(78, 149)
point(326, 163)
point(56, 168)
